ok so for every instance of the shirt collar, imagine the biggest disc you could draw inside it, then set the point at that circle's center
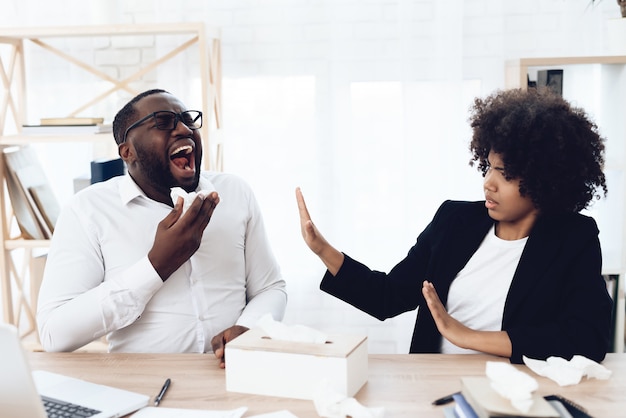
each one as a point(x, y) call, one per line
point(129, 189)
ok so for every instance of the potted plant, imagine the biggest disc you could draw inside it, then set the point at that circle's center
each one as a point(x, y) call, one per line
point(620, 3)
point(622, 6)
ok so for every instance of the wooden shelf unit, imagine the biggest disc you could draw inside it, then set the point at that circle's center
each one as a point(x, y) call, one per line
point(13, 103)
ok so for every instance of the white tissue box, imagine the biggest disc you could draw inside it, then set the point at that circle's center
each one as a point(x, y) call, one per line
point(260, 365)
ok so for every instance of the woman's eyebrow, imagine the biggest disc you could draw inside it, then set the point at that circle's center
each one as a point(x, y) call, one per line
point(495, 167)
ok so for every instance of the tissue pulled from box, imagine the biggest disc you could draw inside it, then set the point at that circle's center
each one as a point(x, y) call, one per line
point(296, 333)
point(566, 372)
point(512, 384)
point(188, 198)
point(330, 404)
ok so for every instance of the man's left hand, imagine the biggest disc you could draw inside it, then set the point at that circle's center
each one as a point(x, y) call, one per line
point(220, 340)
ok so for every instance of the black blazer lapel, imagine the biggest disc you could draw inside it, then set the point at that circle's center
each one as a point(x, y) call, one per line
point(538, 254)
point(467, 236)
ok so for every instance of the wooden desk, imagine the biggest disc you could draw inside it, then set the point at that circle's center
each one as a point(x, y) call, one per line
point(405, 385)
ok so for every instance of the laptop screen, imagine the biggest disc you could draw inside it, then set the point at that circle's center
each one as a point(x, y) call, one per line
point(21, 389)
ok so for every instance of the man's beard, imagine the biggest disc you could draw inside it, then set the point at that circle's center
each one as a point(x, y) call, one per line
point(159, 173)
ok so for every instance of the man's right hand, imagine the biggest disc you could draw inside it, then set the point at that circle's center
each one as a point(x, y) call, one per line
point(178, 237)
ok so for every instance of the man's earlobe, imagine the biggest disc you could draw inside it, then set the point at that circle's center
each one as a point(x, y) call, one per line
point(124, 151)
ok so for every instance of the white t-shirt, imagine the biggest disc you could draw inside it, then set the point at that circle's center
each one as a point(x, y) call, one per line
point(477, 294)
point(98, 279)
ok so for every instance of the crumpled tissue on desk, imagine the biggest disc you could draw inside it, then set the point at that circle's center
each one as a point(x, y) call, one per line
point(566, 372)
point(329, 404)
point(512, 384)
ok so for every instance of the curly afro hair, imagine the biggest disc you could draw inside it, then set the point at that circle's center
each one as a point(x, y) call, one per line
point(554, 149)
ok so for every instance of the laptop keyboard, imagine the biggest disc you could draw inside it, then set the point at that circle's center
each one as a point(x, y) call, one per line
point(60, 409)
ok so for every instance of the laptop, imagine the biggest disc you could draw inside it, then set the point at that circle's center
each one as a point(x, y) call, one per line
point(22, 391)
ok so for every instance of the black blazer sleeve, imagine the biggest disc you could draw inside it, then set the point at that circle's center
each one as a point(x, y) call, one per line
point(441, 251)
point(385, 295)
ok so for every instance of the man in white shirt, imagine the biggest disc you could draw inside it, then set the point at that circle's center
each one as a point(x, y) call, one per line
point(125, 260)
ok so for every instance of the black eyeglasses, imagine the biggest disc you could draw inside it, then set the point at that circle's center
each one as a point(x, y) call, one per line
point(167, 121)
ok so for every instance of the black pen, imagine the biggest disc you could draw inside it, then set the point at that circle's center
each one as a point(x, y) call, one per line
point(445, 399)
point(158, 398)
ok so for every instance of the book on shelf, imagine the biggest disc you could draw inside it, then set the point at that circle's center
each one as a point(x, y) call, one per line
point(27, 220)
point(487, 403)
point(33, 202)
point(99, 128)
point(553, 79)
point(45, 201)
point(70, 121)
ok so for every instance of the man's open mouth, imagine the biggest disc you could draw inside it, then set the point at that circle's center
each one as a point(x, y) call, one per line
point(182, 157)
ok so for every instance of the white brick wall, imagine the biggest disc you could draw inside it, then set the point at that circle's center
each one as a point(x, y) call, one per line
point(335, 42)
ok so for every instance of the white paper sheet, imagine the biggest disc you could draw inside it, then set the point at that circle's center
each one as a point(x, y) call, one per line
point(160, 412)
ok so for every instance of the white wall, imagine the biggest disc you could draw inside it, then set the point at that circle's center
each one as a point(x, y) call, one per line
point(362, 103)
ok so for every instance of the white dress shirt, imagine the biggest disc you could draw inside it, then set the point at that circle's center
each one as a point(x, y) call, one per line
point(98, 279)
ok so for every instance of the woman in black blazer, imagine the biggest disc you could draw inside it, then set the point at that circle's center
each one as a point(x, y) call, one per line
point(518, 274)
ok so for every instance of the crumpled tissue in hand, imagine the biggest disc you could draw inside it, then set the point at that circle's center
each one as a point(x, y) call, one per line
point(298, 333)
point(566, 372)
point(188, 198)
point(330, 404)
point(512, 384)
